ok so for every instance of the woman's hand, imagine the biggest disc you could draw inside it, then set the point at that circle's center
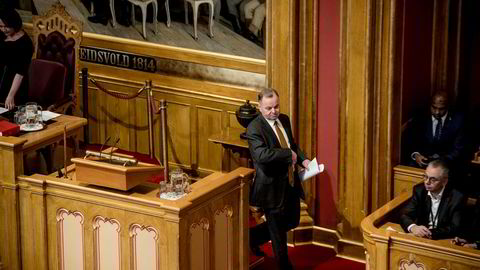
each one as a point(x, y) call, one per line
point(10, 102)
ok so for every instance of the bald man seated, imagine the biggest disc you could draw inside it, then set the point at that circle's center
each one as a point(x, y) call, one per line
point(435, 209)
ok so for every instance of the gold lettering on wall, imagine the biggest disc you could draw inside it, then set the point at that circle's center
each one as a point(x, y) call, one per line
point(118, 59)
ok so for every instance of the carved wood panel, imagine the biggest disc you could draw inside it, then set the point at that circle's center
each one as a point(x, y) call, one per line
point(191, 119)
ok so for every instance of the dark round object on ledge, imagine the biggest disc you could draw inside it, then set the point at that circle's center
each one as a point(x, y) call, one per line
point(245, 114)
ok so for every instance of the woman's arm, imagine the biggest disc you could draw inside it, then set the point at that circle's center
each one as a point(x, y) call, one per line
point(10, 101)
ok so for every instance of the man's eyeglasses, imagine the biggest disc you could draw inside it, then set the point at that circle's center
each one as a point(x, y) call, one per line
point(426, 178)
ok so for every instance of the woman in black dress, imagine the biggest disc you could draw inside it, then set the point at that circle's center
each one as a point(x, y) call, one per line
point(16, 50)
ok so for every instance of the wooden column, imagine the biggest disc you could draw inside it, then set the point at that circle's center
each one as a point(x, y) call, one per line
point(307, 89)
point(11, 165)
point(283, 65)
point(282, 53)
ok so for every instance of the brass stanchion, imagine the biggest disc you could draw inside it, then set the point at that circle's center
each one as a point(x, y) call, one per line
point(148, 88)
point(163, 115)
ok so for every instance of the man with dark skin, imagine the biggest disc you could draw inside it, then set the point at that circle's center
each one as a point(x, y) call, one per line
point(436, 135)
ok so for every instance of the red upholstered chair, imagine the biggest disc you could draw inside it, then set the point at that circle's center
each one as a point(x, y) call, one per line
point(57, 38)
point(47, 83)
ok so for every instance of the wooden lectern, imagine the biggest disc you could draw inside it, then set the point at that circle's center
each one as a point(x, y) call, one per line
point(111, 170)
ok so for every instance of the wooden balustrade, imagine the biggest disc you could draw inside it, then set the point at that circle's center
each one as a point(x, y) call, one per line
point(388, 247)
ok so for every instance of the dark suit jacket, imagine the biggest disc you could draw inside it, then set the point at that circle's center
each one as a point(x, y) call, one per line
point(452, 143)
point(271, 163)
point(472, 221)
point(449, 212)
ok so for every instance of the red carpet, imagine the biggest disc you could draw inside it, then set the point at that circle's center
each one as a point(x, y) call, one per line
point(310, 257)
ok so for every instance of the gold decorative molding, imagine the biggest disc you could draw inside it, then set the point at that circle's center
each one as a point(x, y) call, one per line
point(96, 237)
point(411, 264)
point(60, 216)
point(175, 53)
point(133, 240)
point(203, 224)
point(227, 210)
point(200, 260)
point(224, 240)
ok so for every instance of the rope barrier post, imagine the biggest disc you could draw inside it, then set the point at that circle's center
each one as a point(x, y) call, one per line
point(163, 115)
point(86, 138)
point(148, 88)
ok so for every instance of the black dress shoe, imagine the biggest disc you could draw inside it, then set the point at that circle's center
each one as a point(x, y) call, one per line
point(257, 251)
point(98, 19)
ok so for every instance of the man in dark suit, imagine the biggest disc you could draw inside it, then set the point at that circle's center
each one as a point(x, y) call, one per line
point(437, 135)
point(276, 187)
point(435, 209)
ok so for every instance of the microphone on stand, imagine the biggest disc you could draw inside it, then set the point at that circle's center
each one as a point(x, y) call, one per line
point(103, 145)
point(113, 148)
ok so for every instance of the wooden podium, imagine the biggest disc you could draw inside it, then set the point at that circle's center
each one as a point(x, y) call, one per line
point(113, 175)
point(69, 224)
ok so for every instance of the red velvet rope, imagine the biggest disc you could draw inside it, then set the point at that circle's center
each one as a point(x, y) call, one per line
point(117, 95)
point(156, 109)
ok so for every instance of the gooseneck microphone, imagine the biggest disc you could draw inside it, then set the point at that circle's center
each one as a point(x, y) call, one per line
point(103, 145)
point(113, 148)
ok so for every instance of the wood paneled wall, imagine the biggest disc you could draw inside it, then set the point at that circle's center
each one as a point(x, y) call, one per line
point(381, 52)
point(192, 118)
point(201, 107)
point(370, 91)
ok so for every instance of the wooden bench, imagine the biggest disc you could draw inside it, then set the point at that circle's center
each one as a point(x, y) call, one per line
point(388, 247)
point(405, 177)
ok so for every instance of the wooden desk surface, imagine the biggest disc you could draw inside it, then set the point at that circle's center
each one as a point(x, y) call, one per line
point(53, 132)
point(230, 136)
point(395, 227)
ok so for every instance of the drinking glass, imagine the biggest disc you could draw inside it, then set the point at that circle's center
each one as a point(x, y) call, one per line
point(31, 115)
point(178, 179)
point(19, 117)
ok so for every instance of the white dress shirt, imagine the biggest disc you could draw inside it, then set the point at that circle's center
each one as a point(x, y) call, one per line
point(433, 215)
point(434, 126)
point(280, 126)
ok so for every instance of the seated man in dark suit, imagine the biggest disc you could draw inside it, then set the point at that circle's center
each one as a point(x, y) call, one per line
point(435, 209)
point(438, 134)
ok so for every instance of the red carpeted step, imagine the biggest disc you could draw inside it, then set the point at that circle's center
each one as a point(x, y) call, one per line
point(307, 257)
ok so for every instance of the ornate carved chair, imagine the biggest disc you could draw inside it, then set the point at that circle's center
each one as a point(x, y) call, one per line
point(57, 37)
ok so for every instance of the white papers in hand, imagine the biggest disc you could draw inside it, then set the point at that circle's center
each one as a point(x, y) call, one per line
point(313, 169)
point(2, 110)
point(47, 115)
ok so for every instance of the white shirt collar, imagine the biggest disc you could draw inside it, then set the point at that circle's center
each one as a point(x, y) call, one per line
point(272, 122)
point(437, 196)
point(443, 118)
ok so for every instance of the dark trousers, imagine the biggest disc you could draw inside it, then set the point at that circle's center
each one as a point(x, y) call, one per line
point(279, 222)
